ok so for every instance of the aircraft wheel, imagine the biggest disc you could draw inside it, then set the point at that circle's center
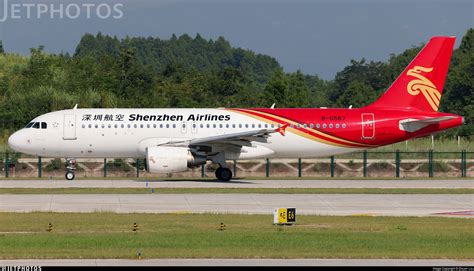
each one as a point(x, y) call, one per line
point(218, 172)
point(70, 175)
point(223, 174)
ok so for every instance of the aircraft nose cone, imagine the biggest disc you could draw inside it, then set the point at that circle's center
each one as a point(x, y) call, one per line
point(14, 141)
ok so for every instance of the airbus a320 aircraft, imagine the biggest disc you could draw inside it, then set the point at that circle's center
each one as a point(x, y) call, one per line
point(172, 140)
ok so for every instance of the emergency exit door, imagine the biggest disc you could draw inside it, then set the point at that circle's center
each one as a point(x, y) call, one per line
point(368, 126)
point(69, 127)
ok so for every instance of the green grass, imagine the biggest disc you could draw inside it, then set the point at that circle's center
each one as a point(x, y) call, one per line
point(109, 235)
point(237, 190)
point(425, 144)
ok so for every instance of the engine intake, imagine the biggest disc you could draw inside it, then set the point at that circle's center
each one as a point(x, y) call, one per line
point(163, 159)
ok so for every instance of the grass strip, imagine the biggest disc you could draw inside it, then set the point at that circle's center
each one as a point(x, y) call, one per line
point(111, 235)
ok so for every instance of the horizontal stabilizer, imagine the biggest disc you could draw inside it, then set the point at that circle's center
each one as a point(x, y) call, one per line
point(412, 125)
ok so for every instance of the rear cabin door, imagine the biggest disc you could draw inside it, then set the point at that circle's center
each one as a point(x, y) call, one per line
point(69, 127)
point(368, 126)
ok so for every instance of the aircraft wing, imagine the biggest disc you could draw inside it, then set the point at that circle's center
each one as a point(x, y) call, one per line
point(412, 125)
point(231, 140)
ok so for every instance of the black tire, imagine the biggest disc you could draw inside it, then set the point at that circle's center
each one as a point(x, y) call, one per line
point(70, 175)
point(218, 172)
point(224, 174)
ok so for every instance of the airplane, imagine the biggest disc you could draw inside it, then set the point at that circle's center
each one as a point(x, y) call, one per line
point(173, 140)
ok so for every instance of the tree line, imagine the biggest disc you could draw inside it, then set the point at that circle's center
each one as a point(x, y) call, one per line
point(105, 71)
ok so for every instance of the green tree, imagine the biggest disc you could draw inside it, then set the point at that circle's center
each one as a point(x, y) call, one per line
point(371, 74)
point(298, 92)
point(357, 94)
point(277, 89)
point(458, 95)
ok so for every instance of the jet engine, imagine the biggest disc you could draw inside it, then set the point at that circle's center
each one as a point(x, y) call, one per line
point(163, 159)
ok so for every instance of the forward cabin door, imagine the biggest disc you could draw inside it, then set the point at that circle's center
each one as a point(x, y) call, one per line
point(69, 132)
point(368, 126)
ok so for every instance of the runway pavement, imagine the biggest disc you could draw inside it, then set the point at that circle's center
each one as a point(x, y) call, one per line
point(315, 204)
point(239, 262)
point(264, 183)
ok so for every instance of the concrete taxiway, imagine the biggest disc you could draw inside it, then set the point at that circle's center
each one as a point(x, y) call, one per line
point(239, 183)
point(238, 262)
point(315, 204)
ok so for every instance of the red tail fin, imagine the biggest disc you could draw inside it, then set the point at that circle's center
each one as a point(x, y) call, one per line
point(421, 83)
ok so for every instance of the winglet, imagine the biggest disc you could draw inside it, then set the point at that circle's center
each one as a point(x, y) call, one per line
point(282, 129)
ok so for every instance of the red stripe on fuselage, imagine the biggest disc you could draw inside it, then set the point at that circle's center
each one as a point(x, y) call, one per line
point(314, 134)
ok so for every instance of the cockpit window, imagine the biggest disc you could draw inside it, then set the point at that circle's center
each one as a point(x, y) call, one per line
point(36, 125)
point(29, 124)
point(44, 125)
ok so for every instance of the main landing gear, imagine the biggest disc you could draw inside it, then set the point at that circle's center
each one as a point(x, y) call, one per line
point(223, 174)
point(70, 167)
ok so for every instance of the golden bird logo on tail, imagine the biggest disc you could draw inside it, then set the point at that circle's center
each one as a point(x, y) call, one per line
point(424, 85)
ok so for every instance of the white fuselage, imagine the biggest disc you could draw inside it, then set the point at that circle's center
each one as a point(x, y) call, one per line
point(122, 133)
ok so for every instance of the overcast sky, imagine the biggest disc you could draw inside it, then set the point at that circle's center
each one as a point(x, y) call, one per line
point(317, 37)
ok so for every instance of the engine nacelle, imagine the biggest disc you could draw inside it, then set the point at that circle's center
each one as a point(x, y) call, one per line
point(163, 159)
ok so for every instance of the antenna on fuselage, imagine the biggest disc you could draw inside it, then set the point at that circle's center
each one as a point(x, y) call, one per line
point(75, 107)
point(350, 106)
point(273, 106)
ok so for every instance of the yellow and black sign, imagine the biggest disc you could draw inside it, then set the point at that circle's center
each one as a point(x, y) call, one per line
point(284, 216)
point(135, 227)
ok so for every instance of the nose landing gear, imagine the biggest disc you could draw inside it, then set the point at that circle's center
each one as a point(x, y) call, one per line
point(70, 167)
